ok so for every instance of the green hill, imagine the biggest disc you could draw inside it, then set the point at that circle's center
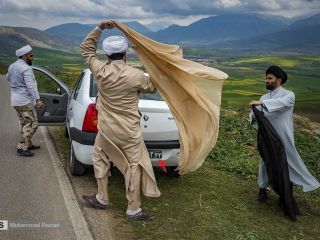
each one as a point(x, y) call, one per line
point(15, 37)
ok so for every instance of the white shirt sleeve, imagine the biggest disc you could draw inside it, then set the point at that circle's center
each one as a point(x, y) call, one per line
point(279, 104)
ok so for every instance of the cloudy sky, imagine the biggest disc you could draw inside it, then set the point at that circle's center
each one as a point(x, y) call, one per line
point(42, 14)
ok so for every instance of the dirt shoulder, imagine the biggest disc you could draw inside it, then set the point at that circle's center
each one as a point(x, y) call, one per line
point(104, 224)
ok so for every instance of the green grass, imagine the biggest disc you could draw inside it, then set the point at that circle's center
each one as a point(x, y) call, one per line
point(216, 201)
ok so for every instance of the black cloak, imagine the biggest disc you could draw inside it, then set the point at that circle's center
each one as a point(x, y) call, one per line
point(273, 154)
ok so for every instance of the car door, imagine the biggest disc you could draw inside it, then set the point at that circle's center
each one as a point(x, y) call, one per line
point(54, 94)
point(73, 100)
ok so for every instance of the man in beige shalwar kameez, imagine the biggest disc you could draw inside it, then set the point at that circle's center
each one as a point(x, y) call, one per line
point(119, 136)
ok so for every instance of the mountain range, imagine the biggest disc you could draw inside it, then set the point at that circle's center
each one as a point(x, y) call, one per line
point(76, 32)
point(218, 28)
point(300, 36)
point(230, 31)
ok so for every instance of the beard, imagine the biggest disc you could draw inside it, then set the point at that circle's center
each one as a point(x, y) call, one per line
point(29, 61)
point(269, 87)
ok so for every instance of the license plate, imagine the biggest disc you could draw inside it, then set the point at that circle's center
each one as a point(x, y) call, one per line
point(155, 154)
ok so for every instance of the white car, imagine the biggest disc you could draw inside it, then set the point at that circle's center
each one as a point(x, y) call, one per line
point(158, 127)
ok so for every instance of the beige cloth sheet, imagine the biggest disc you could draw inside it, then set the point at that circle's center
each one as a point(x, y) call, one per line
point(192, 91)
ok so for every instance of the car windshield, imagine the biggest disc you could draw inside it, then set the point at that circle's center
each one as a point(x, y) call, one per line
point(146, 96)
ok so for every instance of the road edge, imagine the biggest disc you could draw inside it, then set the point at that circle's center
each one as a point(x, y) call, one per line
point(78, 221)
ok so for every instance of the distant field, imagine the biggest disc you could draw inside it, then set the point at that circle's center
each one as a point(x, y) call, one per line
point(246, 80)
point(246, 72)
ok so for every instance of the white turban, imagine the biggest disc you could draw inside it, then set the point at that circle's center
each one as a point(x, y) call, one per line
point(114, 44)
point(24, 50)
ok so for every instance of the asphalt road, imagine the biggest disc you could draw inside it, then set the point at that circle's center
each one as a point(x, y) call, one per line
point(31, 199)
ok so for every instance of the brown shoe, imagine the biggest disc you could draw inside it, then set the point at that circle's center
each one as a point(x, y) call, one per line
point(93, 202)
point(142, 216)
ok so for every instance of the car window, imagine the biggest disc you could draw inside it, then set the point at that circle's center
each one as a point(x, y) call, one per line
point(93, 86)
point(45, 83)
point(77, 86)
point(146, 96)
point(151, 96)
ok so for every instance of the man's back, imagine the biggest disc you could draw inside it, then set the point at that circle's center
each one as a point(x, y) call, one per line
point(119, 86)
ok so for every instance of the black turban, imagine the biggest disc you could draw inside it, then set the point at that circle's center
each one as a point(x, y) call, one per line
point(278, 72)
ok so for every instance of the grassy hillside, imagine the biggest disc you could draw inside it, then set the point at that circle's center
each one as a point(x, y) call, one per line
point(15, 37)
point(217, 200)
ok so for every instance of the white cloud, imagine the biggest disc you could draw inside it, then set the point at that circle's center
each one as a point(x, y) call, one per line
point(227, 3)
point(46, 13)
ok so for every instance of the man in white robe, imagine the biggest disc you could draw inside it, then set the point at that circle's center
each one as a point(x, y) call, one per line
point(277, 106)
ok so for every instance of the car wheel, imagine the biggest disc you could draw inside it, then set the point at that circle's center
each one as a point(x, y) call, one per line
point(172, 173)
point(66, 133)
point(76, 168)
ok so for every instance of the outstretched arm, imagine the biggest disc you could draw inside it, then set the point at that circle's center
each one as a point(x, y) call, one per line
point(89, 46)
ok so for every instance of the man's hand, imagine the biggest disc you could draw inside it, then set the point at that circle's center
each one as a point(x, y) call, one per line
point(39, 103)
point(255, 103)
point(109, 24)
